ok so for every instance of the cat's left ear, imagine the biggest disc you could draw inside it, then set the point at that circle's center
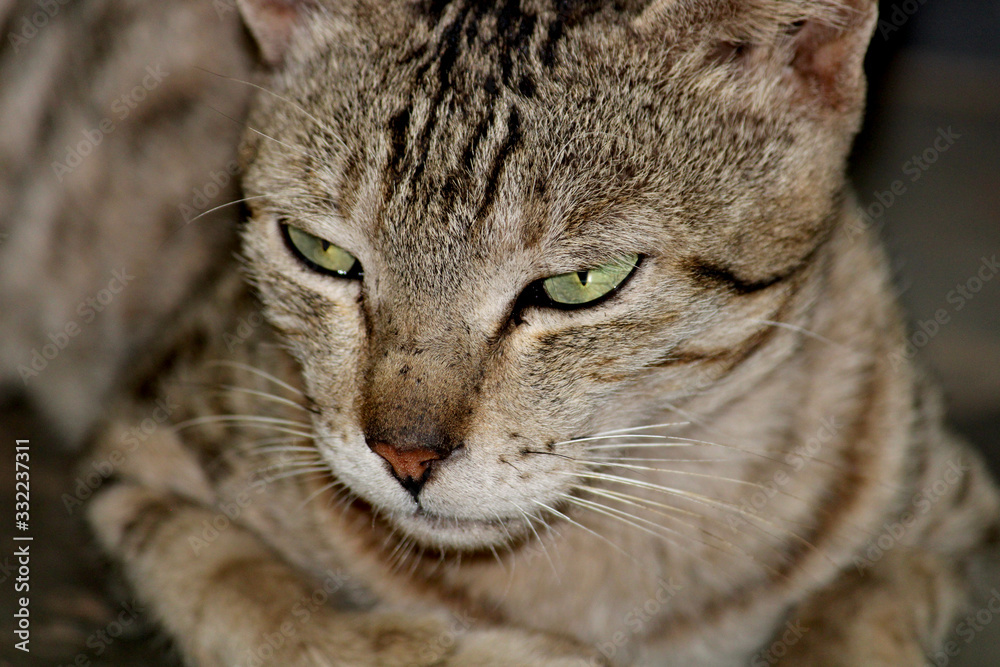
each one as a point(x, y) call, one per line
point(821, 43)
point(271, 22)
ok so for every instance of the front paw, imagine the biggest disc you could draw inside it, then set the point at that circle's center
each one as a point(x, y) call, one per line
point(378, 639)
point(516, 648)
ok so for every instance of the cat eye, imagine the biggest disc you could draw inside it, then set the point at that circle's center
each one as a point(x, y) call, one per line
point(321, 255)
point(581, 288)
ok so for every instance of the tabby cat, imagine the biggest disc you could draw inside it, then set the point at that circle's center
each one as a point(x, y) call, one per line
point(554, 341)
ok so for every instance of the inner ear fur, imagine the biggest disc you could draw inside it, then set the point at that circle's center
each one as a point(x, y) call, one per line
point(272, 22)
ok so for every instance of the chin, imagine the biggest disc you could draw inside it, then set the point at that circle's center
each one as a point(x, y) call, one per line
point(457, 534)
point(453, 534)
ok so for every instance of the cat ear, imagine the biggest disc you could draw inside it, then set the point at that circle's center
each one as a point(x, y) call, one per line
point(271, 22)
point(828, 51)
point(821, 42)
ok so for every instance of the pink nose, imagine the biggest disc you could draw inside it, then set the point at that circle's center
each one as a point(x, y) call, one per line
point(411, 466)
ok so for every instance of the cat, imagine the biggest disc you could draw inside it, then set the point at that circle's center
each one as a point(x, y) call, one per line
point(551, 342)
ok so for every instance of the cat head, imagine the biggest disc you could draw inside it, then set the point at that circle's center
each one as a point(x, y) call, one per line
point(488, 230)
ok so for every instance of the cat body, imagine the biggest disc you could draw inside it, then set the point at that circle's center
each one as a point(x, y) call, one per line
point(117, 146)
point(420, 458)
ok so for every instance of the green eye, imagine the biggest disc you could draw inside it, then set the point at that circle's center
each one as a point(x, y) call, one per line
point(582, 287)
point(322, 255)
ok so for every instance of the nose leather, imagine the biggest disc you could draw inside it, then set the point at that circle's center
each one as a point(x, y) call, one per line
point(411, 465)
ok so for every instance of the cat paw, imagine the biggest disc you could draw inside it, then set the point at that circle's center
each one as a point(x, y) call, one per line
point(382, 639)
point(114, 512)
point(516, 648)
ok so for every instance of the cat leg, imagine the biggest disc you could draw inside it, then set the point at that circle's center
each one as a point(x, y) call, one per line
point(237, 602)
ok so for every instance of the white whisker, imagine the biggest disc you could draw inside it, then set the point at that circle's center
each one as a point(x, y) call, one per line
point(320, 491)
point(270, 397)
point(801, 330)
point(325, 126)
point(632, 429)
point(545, 549)
point(297, 473)
point(256, 371)
point(694, 497)
point(212, 419)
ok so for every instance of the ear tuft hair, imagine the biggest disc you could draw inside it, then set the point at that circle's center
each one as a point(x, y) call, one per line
point(272, 22)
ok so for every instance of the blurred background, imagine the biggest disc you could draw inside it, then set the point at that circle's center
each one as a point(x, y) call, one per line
point(927, 170)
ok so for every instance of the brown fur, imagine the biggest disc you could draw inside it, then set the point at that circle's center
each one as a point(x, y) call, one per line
point(462, 151)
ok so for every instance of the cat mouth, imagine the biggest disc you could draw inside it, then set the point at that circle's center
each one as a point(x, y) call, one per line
point(463, 533)
point(445, 521)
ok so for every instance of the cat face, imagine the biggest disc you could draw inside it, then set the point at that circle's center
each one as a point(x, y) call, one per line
point(489, 232)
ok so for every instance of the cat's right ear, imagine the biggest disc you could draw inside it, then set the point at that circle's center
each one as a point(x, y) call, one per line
point(272, 22)
point(821, 44)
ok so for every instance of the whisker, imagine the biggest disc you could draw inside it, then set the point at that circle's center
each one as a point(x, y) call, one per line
point(673, 441)
point(648, 504)
point(297, 460)
point(256, 371)
point(545, 549)
point(673, 537)
point(297, 473)
point(285, 466)
point(636, 459)
point(742, 482)
point(323, 489)
point(801, 330)
point(292, 147)
point(628, 519)
point(697, 498)
point(221, 206)
point(294, 105)
point(270, 397)
point(213, 419)
point(590, 531)
point(632, 429)
point(609, 437)
point(279, 449)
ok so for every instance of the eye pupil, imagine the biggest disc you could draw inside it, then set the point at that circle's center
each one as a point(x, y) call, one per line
point(580, 288)
point(321, 255)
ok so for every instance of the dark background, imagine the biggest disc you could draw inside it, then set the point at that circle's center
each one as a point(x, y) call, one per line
point(933, 66)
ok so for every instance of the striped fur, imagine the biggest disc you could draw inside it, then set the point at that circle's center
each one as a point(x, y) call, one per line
point(113, 140)
point(724, 463)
